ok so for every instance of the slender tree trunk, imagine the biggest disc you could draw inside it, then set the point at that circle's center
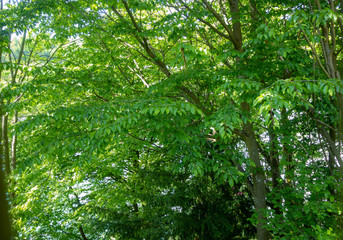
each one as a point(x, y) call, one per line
point(328, 44)
point(258, 177)
point(275, 168)
point(2, 159)
point(250, 138)
point(82, 233)
point(259, 186)
point(5, 225)
point(287, 149)
point(332, 160)
point(135, 158)
point(274, 160)
point(236, 22)
point(14, 144)
point(5, 144)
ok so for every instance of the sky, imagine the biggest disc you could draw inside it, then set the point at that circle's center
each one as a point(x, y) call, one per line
point(4, 2)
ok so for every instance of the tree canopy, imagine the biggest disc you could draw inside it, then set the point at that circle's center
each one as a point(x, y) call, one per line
point(172, 119)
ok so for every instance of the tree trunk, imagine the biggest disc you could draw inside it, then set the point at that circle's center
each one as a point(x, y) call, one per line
point(259, 185)
point(275, 168)
point(5, 144)
point(5, 225)
point(258, 177)
point(14, 144)
point(2, 160)
point(82, 233)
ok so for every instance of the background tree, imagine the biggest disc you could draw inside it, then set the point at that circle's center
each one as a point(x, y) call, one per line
point(153, 114)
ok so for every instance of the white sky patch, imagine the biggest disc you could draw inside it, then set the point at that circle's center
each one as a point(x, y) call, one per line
point(4, 2)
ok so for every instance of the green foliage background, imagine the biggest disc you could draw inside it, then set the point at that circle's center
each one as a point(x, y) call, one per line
point(166, 119)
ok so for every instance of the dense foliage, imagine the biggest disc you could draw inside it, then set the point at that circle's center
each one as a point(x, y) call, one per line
point(172, 119)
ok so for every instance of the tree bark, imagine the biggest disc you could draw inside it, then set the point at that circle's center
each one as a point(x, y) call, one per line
point(236, 23)
point(275, 167)
point(5, 225)
point(259, 184)
point(83, 235)
point(14, 144)
point(5, 144)
point(258, 177)
point(2, 160)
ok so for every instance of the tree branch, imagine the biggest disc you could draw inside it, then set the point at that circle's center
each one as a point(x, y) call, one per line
point(82, 233)
point(222, 22)
point(315, 54)
point(207, 23)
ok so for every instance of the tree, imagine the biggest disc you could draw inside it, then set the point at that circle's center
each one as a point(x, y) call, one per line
point(154, 100)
